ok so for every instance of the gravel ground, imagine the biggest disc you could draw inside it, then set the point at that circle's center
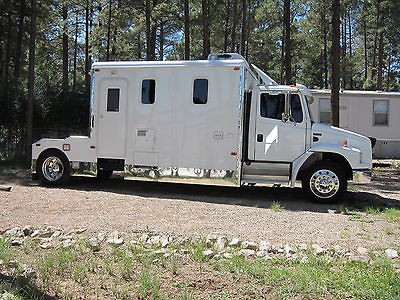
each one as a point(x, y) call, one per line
point(198, 210)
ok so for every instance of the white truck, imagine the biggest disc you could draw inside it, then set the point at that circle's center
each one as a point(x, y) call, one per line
point(218, 121)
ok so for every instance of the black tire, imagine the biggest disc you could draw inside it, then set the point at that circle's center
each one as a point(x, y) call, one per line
point(104, 174)
point(53, 168)
point(325, 182)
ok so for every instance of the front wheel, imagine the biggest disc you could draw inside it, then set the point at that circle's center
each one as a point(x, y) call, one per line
point(53, 168)
point(325, 182)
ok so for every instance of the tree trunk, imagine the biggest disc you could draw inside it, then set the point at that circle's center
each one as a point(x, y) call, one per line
point(206, 28)
point(109, 30)
point(350, 43)
point(65, 84)
point(287, 43)
point(365, 49)
point(148, 28)
point(161, 56)
point(335, 56)
point(379, 69)
point(186, 29)
point(325, 55)
point(376, 38)
point(8, 48)
point(18, 54)
point(244, 28)
point(87, 58)
point(234, 25)
point(31, 83)
point(153, 34)
point(226, 24)
point(75, 53)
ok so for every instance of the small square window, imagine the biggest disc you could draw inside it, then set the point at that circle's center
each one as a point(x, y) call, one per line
point(200, 91)
point(113, 100)
point(325, 111)
point(148, 91)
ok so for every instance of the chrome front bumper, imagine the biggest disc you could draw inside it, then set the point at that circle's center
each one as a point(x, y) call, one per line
point(361, 176)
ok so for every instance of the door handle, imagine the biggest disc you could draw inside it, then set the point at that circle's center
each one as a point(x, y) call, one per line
point(260, 138)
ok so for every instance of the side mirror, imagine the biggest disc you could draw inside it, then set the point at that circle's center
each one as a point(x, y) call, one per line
point(285, 117)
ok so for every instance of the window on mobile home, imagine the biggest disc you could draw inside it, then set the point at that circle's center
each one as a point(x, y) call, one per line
point(113, 100)
point(381, 112)
point(148, 91)
point(200, 91)
point(325, 111)
point(272, 106)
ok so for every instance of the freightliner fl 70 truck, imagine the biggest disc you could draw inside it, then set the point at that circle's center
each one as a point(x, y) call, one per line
point(220, 121)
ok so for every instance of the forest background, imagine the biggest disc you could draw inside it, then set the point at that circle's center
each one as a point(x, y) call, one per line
point(48, 46)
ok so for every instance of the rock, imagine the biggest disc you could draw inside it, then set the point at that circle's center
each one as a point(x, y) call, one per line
point(362, 251)
point(46, 245)
point(235, 242)
point(391, 253)
point(265, 246)
point(261, 253)
point(361, 258)
point(227, 255)
point(101, 236)
point(339, 250)
point(133, 242)
point(66, 243)
point(27, 271)
point(13, 232)
point(45, 233)
point(165, 241)
point(184, 251)
point(160, 252)
point(289, 250)
point(115, 239)
point(220, 244)
point(27, 230)
point(318, 250)
point(154, 240)
point(80, 230)
point(56, 234)
point(249, 245)
point(246, 253)
point(303, 247)
point(94, 244)
point(143, 238)
point(5, 188)
point(210, 240)
point(208, 253)
point(17, 242)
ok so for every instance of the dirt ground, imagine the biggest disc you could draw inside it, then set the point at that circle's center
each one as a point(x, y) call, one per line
point(198, 210)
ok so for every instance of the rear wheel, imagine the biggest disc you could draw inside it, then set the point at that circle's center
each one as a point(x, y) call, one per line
point(325, 182)
point(53, 168)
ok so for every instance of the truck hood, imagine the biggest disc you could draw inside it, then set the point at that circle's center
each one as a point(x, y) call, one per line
point(336, 137)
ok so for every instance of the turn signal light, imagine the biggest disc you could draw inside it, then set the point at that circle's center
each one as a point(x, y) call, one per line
point(345, 143)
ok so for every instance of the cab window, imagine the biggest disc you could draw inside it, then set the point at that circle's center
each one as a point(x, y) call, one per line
point(295, 108)
point(272, 106)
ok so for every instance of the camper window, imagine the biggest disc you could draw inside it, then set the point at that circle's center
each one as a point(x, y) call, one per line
point(113, 100)
point(272, 106)
point(200, 91)
point(148, 91)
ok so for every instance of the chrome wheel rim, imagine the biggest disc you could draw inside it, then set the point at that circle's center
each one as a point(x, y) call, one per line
point(52, 168)
point(324, 183)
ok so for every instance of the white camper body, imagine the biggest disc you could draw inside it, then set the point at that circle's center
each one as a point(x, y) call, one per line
point(216, 121)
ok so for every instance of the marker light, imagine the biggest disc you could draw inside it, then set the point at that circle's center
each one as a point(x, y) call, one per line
point(345, 143)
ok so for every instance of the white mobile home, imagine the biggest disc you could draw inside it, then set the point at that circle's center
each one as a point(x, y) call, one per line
point(217, 119)
point(373, 114)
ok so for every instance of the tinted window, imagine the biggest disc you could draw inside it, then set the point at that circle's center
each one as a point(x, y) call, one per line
point(200, 91)
point(272, 106)
point(295, 108)
point(113, 100)
point(148, 91)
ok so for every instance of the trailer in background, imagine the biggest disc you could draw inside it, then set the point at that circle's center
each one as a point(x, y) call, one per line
point(373, 114)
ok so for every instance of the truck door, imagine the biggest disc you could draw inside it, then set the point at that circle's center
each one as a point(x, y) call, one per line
point(280, 127)
point(111, 118)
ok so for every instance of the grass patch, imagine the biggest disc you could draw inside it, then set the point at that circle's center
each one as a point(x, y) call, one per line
point(392, 215)
point(136, 271)
point(276, 206)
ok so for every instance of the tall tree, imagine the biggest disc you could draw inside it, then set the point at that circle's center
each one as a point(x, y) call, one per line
point(186, 26)
point(18, 54)
point(65, 83)
point(205, 8)
point(287, 59)
point(31, 82)
point(335, 59)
